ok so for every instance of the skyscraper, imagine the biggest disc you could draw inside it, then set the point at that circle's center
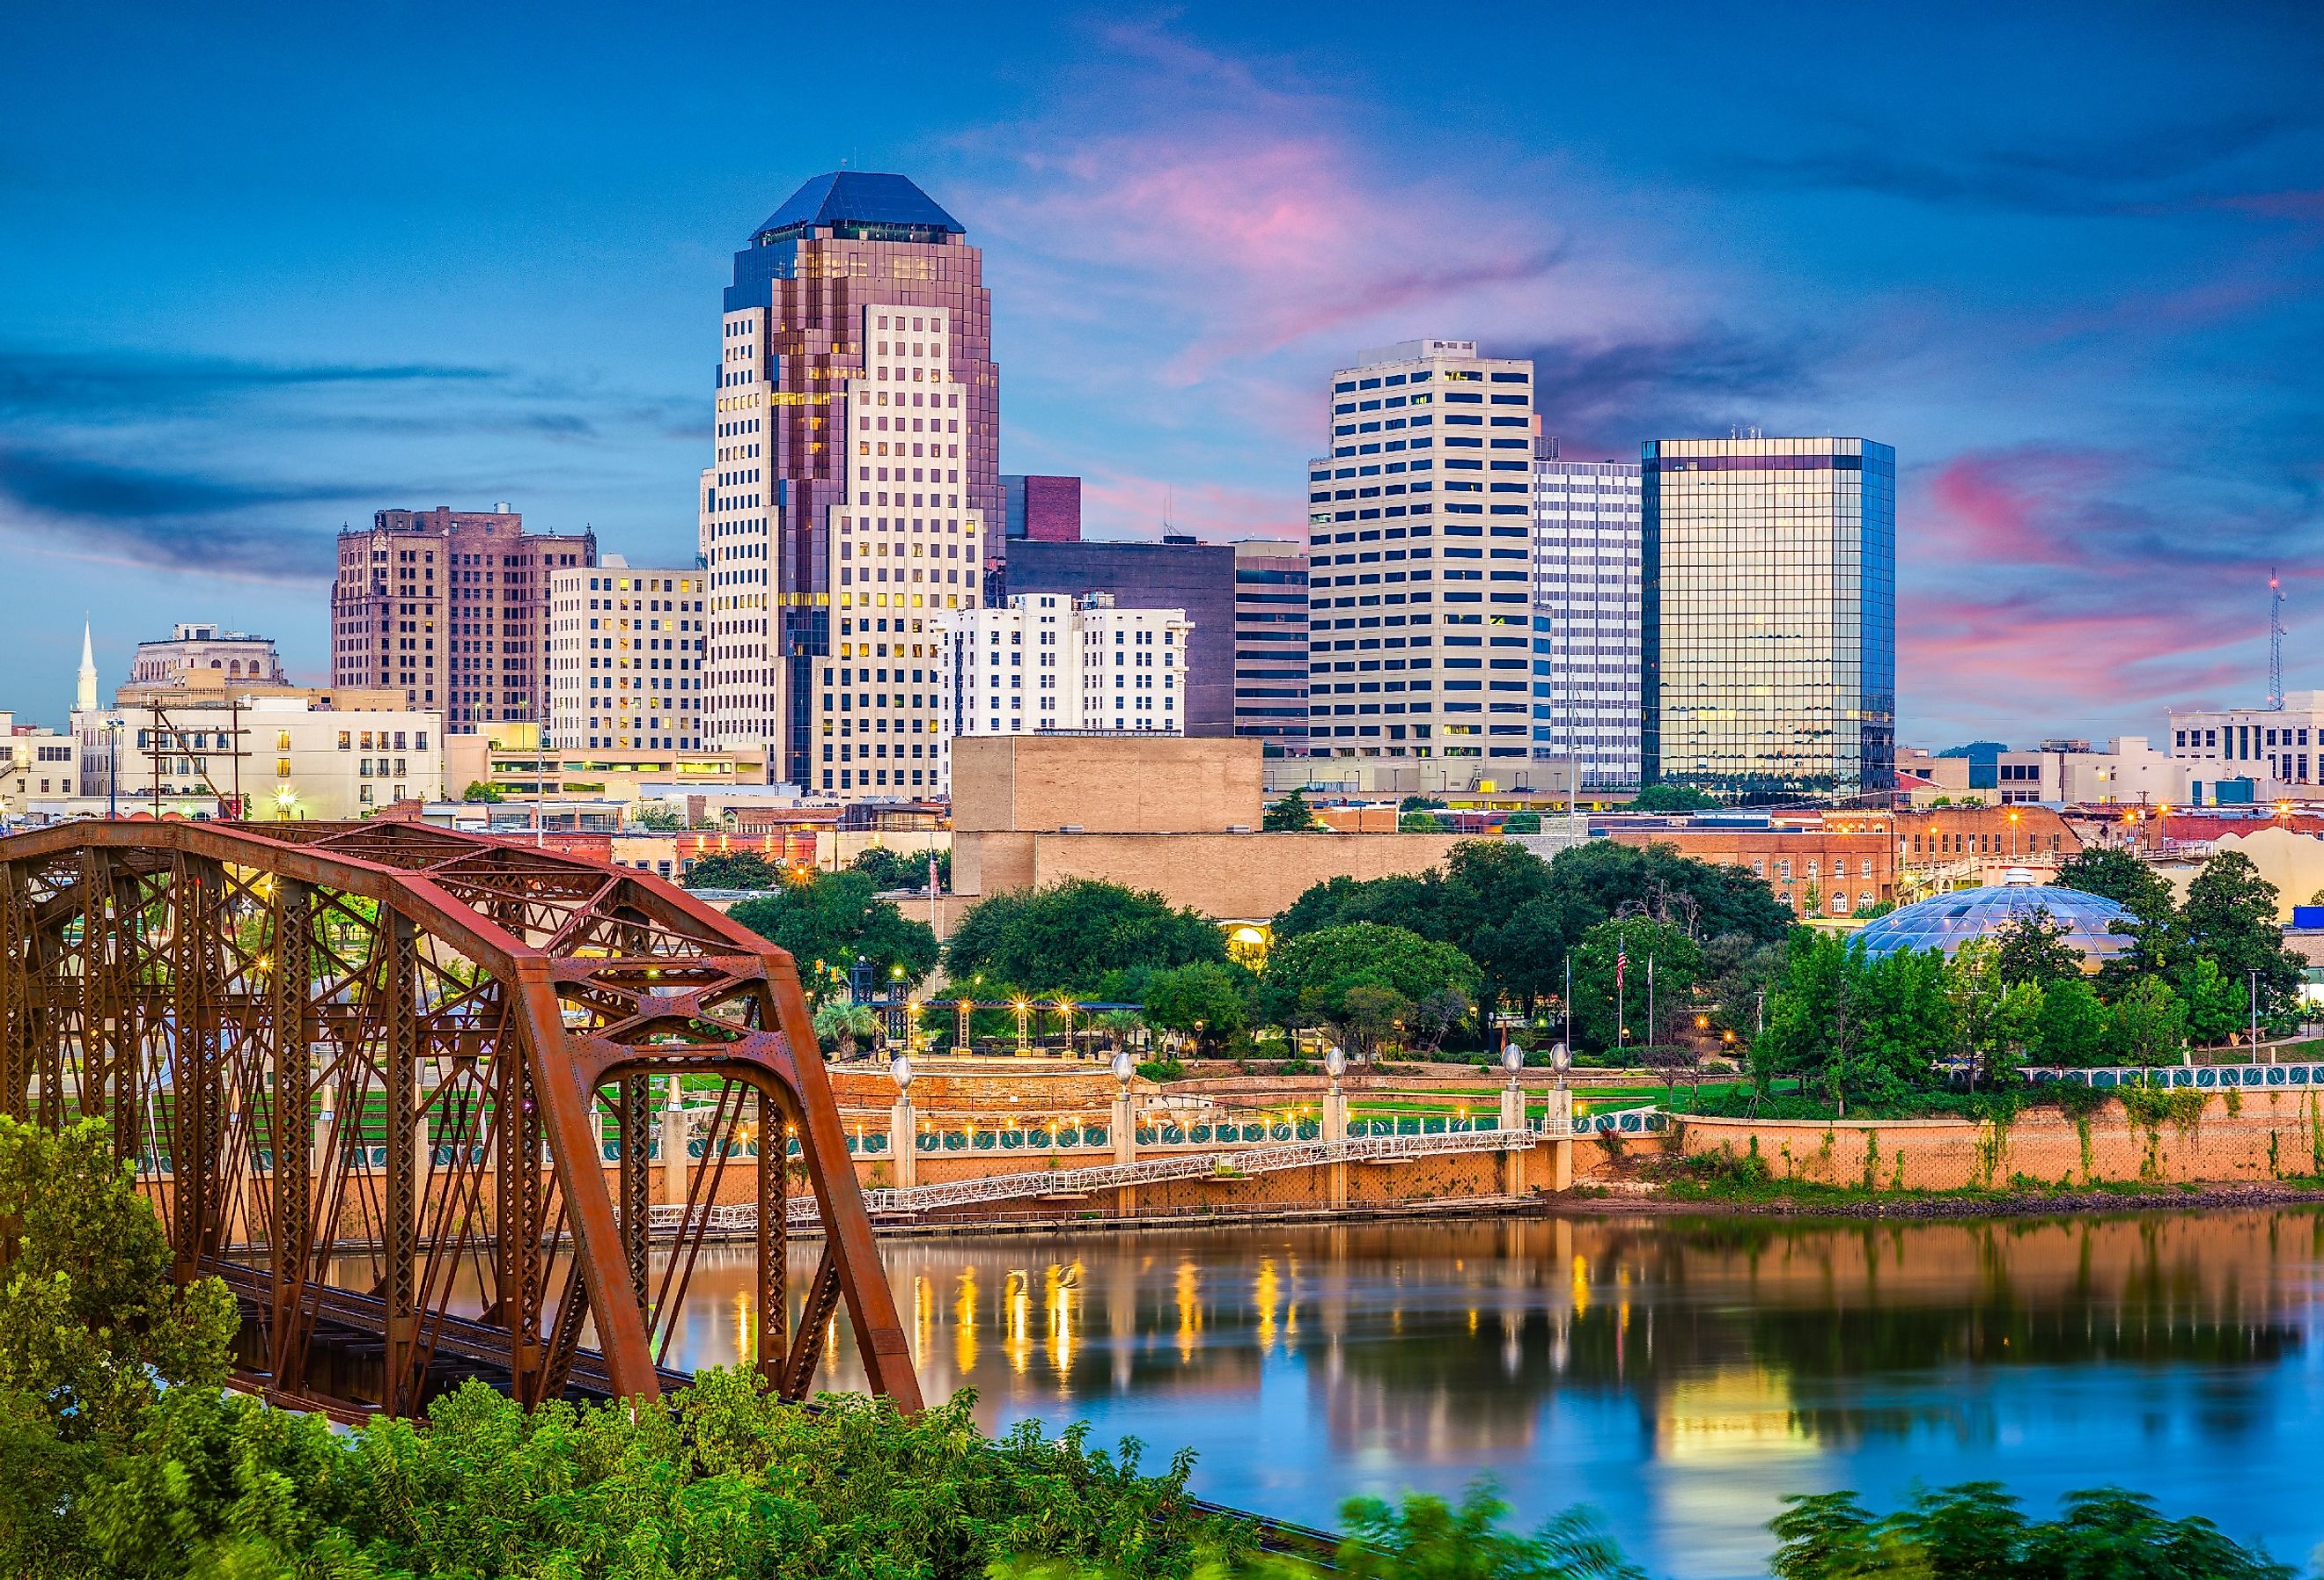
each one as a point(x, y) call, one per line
point(1586, 638)
point(1270, 643)
point(1419, 557)
point(451, 607)
point(857, 420)
point(1770, 616)
point(625, 657)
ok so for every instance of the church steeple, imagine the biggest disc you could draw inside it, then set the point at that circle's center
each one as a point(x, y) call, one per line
point(85, 697)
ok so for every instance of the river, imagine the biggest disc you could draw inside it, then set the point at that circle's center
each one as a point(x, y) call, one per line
point(1679, 1374)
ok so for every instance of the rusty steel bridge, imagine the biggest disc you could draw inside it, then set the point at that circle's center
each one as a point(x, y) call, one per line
point(360, 1070)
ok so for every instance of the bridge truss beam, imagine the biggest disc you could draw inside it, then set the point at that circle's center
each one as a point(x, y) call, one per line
point(364, 1070)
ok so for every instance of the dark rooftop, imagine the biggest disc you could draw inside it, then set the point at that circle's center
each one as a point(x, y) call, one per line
point(854, 202)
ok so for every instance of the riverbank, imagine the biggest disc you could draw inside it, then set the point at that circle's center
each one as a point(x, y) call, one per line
point(1852, 1202)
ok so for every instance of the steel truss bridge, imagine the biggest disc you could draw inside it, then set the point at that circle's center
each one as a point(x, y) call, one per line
point(318, 1037)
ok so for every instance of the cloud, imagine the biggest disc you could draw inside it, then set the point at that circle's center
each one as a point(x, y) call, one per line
point(1602, 395)
point(133, 384)
point(122, 515)
point(2137, 171)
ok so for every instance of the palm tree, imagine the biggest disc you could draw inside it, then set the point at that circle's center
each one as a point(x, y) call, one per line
point(841, 1028)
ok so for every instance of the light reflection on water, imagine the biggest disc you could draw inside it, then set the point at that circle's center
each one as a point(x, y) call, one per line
point(1681, 1375)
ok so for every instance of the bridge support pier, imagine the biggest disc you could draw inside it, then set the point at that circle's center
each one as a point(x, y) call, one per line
point(1335, 1130)
point(1513, 1125)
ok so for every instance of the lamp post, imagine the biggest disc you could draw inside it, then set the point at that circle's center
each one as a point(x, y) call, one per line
point(1024, 1027)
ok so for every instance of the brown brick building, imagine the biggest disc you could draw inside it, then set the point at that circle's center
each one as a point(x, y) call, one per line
point(1843, 867)
point(451, 608)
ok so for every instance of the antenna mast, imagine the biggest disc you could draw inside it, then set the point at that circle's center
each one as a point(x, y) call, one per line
point(2274, 641)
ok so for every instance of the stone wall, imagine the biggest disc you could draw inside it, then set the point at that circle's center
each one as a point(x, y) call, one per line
point(1223, 875)
point(2251, 1136)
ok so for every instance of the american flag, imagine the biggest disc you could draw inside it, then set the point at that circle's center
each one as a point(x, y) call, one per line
point(932, 872)
point(1621, 960)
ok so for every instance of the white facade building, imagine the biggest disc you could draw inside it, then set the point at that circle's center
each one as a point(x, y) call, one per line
point(1050, 662)
point(2256, 754)
point(1419, 545)
point(235, 655)
point(1588, 628)
point(35, 765)
point(625, 657)
point(901, 563)
point(289, 759)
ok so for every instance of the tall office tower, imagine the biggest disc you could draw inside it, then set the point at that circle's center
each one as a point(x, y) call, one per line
point(1047, 663)
point(1586, 636)
point(1048, 510)
point(451, 606)
point(1769, 611)
point(856, 384)
point(625, 650)
point(1196, 580)
point(1270, 660)
point(1419, 557)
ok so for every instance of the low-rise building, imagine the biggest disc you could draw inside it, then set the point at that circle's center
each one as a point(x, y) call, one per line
point(1047, 663)
point(2251, 754)
point(234, 656)
point(266, 756)
point(1833, 867)
point(36, 764)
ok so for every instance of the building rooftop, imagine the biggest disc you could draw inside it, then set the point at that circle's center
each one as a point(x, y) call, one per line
point(1947, 921)
point(862, 203)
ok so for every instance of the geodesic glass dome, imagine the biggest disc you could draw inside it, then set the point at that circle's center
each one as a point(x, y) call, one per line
point(1946, 921)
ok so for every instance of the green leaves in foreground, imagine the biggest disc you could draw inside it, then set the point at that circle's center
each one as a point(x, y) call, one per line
point(1976, 1532)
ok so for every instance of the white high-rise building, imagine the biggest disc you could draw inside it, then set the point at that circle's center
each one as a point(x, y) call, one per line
point(1587, 624)
point(1049, 662)
point(625, 657)
point(1419, 580)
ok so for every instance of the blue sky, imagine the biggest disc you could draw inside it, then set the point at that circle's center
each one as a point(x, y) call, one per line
point(265, 270)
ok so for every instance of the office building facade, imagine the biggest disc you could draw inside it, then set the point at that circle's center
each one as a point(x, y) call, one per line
point(1195, 579)
point(235, 655)
point(1048, 510)
point(857, 419)
point(1419, 557)
point(1769, 616)
point(1270, 661)
point(1046, 662)
point(2234, 754)
point(1587, 638)
point(625, 658)
point(451, 608)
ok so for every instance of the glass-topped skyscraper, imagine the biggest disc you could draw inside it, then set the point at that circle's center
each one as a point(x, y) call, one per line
point(1770, 616)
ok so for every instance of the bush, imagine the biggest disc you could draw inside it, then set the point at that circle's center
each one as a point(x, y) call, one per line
point(1161, 1070)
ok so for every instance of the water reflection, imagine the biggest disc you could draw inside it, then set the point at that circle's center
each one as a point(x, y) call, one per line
point(1680, 1374)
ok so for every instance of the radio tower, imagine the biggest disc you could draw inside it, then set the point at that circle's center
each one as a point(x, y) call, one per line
point(2274, 641)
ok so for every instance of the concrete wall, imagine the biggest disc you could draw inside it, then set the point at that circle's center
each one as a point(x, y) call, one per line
point(1223, 875)
point(2271, 1134)
point(1105, 784)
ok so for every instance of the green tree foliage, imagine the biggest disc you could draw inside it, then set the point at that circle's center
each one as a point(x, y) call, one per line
point(2117, 875)
point(1672, 798)
point(2072, 1026)
point(1857, 1029)
point(1207, 1001)
point(1072, 936)
point(1405, 901)
point(843, 1028)
point(1705, 900)
point(1736, 975)
point(1420, 804)
point(906, 868)
point(1419, 823)
point(660, 817)
point(2032, 948)
point(478, 790)
point(1977, 1531)
point(1677, 968)
point(1995, 1018)
point(2148, 1024)
point(1426, 1539)
point(2230, 915)
point(2217, 1006)
point(1358, 979)
point(1291, 815)
point(733, 869)
point(832, 918)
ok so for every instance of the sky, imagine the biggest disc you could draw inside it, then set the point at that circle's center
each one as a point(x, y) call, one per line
point(264, 270)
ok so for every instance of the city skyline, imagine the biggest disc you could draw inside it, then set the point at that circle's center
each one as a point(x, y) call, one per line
point(2076, 312)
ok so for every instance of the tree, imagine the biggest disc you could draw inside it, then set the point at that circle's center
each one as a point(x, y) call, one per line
point(1521, 823)
point(892, 869)
point(2072, 1028)
point(1704, 899)
point(841, 1027)
point(2148, 1024)
point(1419, 823)
point(1291, 815)
point(1672, 798)
point(478, 790)
point(2216, 1003)
point(1203, 999)
point(1071, 937)
point(1309, 980)
point(828, 919)
point(734, 869)
point(1402, 901)
point(1420, 804)
point(1855, 1027)
point(2230, 915)
point(2031, 947)
point(660, 817)
point(2117, 874)
point(1612, 965)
